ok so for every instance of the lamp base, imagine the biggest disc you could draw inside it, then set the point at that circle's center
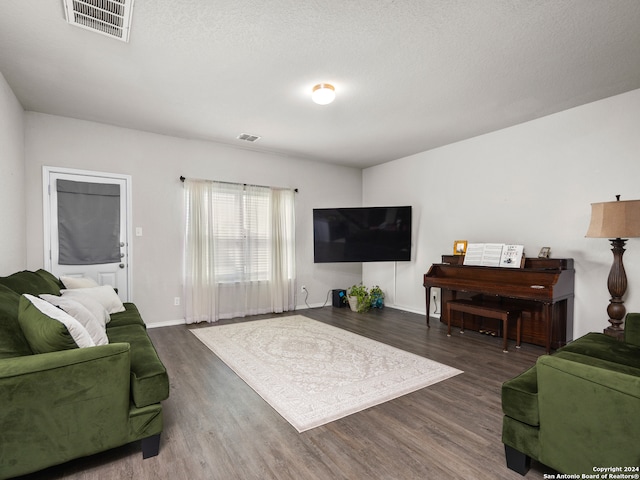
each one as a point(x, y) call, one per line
point(617, 333)
point(617, 284)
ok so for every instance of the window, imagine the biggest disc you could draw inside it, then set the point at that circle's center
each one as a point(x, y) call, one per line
point(242, 235)
point(239, 250)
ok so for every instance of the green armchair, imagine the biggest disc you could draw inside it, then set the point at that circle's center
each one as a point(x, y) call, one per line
point(578, 409)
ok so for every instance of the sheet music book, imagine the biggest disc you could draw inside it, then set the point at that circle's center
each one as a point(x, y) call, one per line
point(512, 256)
point(494, 255)
point(483, 254)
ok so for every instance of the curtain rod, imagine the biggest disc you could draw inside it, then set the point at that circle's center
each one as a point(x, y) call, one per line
point(182, 179)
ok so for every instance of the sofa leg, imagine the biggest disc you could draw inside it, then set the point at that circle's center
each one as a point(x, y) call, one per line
point(150, 446)
point(517, 461)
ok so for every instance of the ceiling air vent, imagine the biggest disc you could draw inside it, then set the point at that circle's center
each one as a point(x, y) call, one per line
point(248, 137)
point(108, 17)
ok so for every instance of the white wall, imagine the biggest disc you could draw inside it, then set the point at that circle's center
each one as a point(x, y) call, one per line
point(531, 184)
point(13, 252)
point(155, 163)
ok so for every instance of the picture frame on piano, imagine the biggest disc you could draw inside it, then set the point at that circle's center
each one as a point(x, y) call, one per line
point(459, 247)
point(544, 252)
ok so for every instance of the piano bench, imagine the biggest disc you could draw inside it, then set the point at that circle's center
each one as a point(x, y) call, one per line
point(486, 310)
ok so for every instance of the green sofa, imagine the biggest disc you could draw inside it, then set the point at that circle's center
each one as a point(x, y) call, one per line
point(74, 402)
point(578, 409)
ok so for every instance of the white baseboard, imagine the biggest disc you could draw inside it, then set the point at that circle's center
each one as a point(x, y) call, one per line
point(182, 321)
point(413, 310)
point(168, 323)
point(312, 305)
point(405, 309)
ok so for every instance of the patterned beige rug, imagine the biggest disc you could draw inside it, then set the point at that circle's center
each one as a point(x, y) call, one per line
point(312, 373)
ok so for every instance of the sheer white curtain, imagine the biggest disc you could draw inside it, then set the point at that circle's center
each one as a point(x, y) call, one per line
point(199, 278)
point(283, 260)
point(239, 250)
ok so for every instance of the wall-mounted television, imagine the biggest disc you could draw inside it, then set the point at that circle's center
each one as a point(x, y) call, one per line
point(362, 234)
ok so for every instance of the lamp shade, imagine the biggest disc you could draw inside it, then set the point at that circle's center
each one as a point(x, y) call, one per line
point(620, 219)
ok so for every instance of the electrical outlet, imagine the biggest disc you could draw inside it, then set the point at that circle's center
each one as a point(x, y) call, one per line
point(303, 288)
point(176, 301)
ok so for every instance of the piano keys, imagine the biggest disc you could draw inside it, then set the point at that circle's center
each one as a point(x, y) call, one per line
point(543, 291)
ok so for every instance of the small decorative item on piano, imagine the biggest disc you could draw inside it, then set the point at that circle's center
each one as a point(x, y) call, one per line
point(459, 247)
point(544, 252)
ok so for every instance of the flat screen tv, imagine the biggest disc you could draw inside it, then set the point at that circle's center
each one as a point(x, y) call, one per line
point(364, 234)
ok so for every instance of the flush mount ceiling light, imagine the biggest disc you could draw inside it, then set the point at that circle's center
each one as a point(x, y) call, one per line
point(323, 94)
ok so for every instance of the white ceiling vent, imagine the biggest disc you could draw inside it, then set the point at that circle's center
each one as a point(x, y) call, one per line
point(108, 17)
point(247, 137)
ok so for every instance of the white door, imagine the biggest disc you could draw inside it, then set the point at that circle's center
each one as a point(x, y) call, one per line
point(86, 226)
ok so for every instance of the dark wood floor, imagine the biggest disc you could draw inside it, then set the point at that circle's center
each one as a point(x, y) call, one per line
point(216, 427)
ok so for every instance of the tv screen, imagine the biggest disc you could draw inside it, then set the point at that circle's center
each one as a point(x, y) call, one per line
point(365, 234)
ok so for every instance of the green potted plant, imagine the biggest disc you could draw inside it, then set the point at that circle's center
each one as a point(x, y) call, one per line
point(359, 300)
point(376, 296)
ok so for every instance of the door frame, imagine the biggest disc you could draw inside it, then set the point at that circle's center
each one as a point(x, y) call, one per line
point(46, 215)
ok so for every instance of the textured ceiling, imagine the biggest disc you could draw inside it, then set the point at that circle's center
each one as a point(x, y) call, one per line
point(410, 75)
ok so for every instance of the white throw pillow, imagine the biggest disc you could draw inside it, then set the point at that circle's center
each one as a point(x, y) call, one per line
point(104, 294)
point(94, 326)
point(77, 331)
point(78, 282)
point(93, 305)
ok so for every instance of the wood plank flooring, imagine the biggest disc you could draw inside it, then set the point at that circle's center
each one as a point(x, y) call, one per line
point(216, 427)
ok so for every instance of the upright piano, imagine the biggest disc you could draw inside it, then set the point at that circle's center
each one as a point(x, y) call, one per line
point(543, 290)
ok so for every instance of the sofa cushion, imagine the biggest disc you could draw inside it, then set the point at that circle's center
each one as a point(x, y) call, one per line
point(95, 326)
point(51, 279)
point(604, 347)
point(149, 380)
point(520, 397)
point(94, 306)
point(78, 282)
point(33, 283)
point(52, 331)
point(105, 294)
point(632, 329)
point(130, 316)
point(12, 341)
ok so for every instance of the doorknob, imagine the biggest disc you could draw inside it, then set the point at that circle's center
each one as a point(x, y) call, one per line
point(121, 265)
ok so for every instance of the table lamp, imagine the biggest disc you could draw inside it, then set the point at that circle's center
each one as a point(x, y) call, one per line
point(617, 221)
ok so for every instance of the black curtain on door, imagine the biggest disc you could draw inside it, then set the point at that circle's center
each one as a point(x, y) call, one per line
point(88, 223)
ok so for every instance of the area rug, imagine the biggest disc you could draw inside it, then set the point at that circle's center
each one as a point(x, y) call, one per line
point(312, 373)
